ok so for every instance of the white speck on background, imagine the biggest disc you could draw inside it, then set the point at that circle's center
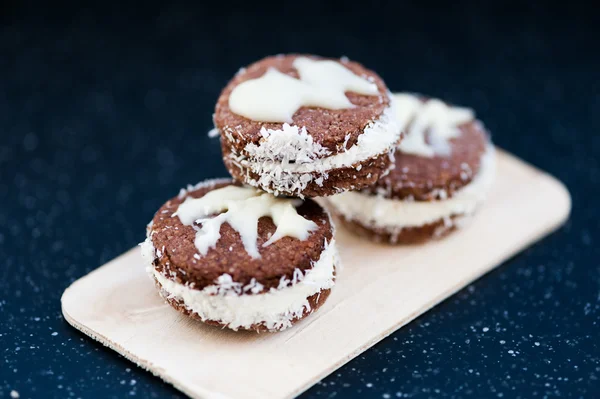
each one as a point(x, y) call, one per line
point(30, 143)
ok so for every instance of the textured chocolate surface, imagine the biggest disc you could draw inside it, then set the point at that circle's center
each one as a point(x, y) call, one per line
point(327, 127)
point(341, 179)
point(404, 236)
point(423, 178)
point(176, 243)
point(427, 179)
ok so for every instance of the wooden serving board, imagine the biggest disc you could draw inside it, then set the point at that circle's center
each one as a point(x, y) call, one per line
point(380, 289)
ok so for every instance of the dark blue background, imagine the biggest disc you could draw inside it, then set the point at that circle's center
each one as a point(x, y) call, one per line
point(104, 114)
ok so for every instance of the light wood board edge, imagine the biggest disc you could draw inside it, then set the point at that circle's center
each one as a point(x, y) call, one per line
point(560, 219)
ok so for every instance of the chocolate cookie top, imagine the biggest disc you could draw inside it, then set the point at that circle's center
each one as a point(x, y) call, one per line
point(334, 129)
point(274, 265)
point(439, 166)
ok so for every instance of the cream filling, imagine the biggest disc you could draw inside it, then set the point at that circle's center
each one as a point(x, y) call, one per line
point(379, 212)
point(377, 138)
point(275, 309)
point(287, 160)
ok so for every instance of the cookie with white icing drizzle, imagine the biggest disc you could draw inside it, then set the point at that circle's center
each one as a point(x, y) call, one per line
point(306, 126)
point(444, 170)
point(235, 256)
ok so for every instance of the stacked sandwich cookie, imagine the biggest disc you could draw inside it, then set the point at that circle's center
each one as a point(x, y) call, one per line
point(304, 126)
point(443, 172)
point(256, 252)
point(234, 256)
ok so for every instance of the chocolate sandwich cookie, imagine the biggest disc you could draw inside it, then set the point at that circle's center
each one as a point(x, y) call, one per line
point(306, 126)
point(234, 256)
point(444, 169)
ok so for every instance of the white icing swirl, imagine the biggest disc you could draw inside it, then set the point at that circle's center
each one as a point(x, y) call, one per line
point(433, 116)
point(380, 212)
point(242, 207)
point(275, 96)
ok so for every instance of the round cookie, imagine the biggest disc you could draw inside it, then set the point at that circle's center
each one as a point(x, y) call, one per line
point(306, 126)
point(234, 256)
point(444, 169)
